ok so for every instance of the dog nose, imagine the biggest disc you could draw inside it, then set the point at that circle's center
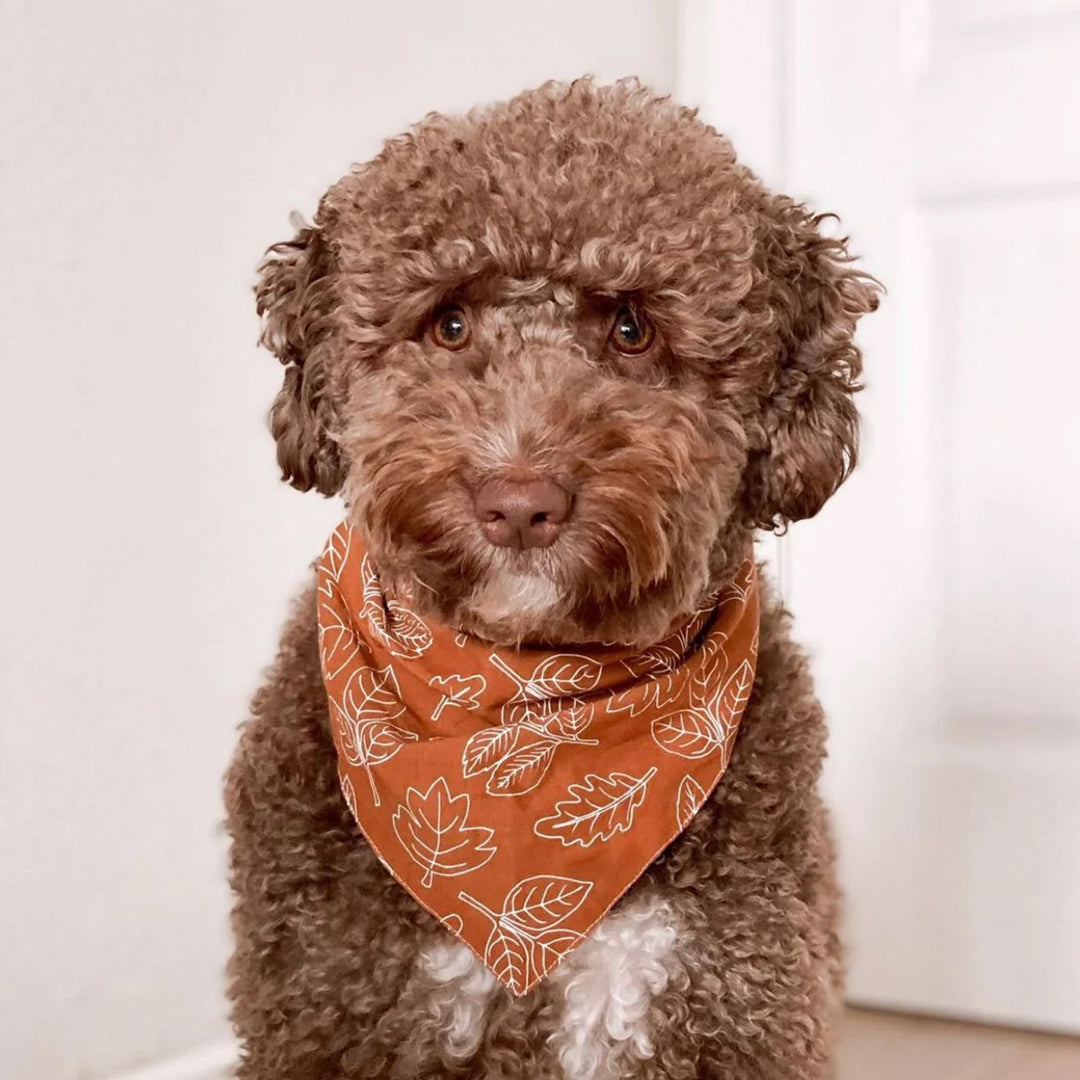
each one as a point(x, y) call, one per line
point(522, 514)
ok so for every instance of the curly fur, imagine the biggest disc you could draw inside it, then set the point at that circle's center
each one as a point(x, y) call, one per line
point(539, 217)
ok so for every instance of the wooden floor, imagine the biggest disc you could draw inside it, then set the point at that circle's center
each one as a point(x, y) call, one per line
point(888, 1046)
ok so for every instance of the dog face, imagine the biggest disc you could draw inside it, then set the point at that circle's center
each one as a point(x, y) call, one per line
point(562, 357)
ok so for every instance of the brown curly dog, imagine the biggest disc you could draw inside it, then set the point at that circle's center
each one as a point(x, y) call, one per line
point(580, 298)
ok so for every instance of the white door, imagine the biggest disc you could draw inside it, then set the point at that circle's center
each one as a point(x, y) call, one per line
point(940, 591)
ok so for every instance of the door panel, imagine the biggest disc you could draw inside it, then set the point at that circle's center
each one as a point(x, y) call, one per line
point(939, 591)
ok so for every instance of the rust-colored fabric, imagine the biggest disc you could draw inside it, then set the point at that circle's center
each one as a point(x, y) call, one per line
point(517, 793)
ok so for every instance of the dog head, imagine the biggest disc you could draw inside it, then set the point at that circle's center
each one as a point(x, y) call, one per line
point(563, 356)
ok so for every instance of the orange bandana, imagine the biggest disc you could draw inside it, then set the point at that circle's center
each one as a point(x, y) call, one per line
point(518, 793)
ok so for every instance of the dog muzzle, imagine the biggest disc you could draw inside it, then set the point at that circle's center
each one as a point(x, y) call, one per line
point(517, 793)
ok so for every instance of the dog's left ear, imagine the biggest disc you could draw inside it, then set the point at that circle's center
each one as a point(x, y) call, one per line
point(806, 439)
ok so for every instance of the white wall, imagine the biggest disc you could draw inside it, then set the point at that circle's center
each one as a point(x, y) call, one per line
point(150, 152)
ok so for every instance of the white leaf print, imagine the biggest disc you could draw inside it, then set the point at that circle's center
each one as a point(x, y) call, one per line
point(402, 631)
point(527, 938)
point(432, 828)
point(569, 722)
point(407, 634)
point(369, 742)
point(552, 945)
point(508, 954)
point(334, 556)
point(690, 733)
point(561, 675)
point(713, 665)
point(709, 601)
point(485, 748)
point(543, 901)
point(515, 767)
point(657, 659)
point(531, 713)
point(369, 578)
point(349, 793)
point(381, 740)
point(698, 731)
point(338, 643)
point(461, 691)
point(731, 701)
point(370, 700)
point(650, 695)
point(688, 801)
point(596, 810)
point(372, 694)
point(740, 587)
point(522, 769)
point(453, 922)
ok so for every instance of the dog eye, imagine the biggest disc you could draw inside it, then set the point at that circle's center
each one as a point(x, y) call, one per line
point(450, 328)
point(631, 333)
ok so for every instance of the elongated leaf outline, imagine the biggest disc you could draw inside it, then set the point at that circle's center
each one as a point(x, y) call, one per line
point(703, 692)
point(485, 748)
point(366, 743)
point(654, 693)
point(527, 937)
point(559, 676)
point(432, 828)
point(689, 733)
point(348, 791)
point(522, 769)
point(658, 659)
point(569, 722)
point(509, 955)
point(743, 582)
point(533, 713)
point(338, 642)
point(458, 691)
point(688, 801)
point(518, 766)
point(407, 635)
point(596, 809)
point(665, 656)
point(544, 900)
point(372, 694)
point(334, 557)
point(552, 945)
point(400, 629)
point(370, 700)
point(732, 699)
point(708, 602)
point(702, 729)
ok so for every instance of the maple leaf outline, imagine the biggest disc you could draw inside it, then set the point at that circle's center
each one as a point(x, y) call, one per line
point(432, 828)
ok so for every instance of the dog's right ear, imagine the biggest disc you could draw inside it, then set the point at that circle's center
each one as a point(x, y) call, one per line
point(293, 296)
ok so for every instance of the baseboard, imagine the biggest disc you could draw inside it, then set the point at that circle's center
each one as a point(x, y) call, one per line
point(215, 1061)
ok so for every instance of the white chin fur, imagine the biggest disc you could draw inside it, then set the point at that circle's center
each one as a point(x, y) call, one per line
point(507, 596)
point(608, 984)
